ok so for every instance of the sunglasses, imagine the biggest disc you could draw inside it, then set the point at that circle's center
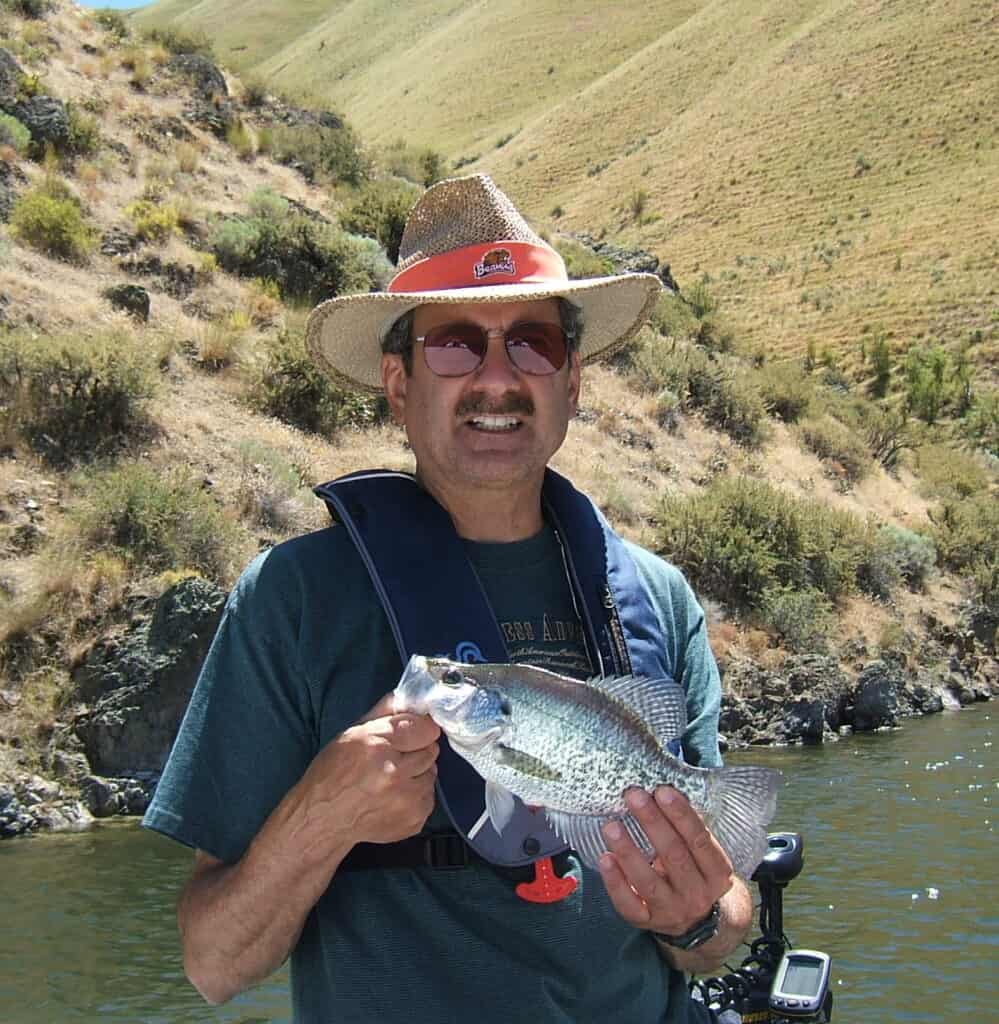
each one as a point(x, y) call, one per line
point(453, 350)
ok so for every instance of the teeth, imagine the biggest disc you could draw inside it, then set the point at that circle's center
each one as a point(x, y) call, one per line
point(495, 422)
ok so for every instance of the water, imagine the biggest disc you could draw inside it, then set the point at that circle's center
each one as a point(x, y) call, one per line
point(89, 931)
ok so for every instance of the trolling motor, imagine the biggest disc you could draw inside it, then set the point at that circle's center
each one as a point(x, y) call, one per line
point(774, 984)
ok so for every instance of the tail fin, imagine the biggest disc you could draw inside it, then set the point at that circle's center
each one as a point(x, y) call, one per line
point(742, 801)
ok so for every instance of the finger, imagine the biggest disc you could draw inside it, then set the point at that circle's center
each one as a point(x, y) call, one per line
point(634, 865)
point(626, 901)
point(408, 732)
point(415, 763)
point(711, 860)
point(675, 857)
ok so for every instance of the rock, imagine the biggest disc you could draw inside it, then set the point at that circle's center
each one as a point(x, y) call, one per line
point(802, 721)
point(118, 242)
point(11, 177)
point(983, 624)
point(203, 74)
point(140, 680)
point(11, 74)
point(960, 688)
point(921, 697)
point(107, 798)
point(177, 280)
point(875, 699)
point(131, 298)
point(819, 677)
point(67, 817)
point(45, 118)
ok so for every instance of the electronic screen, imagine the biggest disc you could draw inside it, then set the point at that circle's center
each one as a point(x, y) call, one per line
point(802, 979)
point(801, 983)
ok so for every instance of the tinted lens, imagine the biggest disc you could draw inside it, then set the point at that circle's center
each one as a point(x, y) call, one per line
point(537, 348)
point(452, 350)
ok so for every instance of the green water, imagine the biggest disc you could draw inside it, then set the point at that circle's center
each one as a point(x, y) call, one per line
point(88, 921)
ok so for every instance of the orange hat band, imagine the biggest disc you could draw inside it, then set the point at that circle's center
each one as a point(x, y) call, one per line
point(477, 266)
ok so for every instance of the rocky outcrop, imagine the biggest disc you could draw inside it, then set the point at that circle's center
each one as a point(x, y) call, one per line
point(131, 298)
point(34, 804)
point(630, 261)
point(136, 684)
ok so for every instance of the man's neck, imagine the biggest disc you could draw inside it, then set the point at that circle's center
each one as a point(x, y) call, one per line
point(491, 515)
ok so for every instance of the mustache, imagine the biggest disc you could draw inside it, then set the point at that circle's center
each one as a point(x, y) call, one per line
point(510, 404)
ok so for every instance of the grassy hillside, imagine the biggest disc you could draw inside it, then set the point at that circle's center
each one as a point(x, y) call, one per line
point(829, 164)
point(133, 451)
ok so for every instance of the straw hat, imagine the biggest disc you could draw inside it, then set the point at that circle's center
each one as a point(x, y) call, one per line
point(464, 241)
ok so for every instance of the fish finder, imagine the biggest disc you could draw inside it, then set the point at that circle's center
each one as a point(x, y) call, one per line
point(800, 984)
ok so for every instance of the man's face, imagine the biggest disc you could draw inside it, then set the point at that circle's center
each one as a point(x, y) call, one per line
point(496, 427)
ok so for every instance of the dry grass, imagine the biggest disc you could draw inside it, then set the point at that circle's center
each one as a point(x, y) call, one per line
point(828, 166)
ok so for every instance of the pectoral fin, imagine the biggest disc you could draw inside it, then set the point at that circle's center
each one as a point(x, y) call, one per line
point(499, 805)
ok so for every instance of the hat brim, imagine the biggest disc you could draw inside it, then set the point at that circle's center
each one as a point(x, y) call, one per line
point(344, 335)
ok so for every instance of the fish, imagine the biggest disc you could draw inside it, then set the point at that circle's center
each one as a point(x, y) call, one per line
point(573, 748)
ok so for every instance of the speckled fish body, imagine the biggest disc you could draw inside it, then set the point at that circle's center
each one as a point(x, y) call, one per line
point(575, 748)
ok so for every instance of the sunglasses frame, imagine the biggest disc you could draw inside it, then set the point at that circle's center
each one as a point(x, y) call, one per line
point(486, 332)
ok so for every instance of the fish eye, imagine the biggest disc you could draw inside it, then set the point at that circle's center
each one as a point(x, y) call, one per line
point(505, 708)
point(452, 677)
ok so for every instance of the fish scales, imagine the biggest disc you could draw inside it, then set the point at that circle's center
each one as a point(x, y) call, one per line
point(575, 748)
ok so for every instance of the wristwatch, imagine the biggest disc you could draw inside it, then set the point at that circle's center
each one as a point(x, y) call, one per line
point(697, 934)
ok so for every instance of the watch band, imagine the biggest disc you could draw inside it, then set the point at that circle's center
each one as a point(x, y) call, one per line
point(697, 934)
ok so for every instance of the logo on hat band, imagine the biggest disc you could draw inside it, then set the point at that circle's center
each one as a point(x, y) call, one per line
point(496, 261)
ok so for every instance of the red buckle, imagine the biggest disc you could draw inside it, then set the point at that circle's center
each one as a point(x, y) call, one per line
point(546, 886)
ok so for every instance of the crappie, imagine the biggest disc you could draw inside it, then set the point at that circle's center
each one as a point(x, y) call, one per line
point(574, 748)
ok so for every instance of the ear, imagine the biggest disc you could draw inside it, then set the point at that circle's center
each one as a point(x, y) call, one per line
point(394, 381)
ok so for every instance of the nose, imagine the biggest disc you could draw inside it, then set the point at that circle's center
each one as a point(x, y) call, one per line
point(497, 370)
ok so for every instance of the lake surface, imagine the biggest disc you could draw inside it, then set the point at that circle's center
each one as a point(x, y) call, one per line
point(899, 887)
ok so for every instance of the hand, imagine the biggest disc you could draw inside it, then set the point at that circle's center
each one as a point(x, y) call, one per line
point(378, 775)
point(689, 872)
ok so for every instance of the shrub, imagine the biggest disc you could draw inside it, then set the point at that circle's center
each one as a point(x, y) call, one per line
point(725, 397)
point(966, 531)
point(927, 373)
point(981, 424)
point(945, 472)
point(785, 389)
point(800, 618)
point(838, 446)
point(152, 222)
point(241, 139)
point(254, 92)
point(113, 22)
point(581, 261)
point(179, 42)
point(888, 435)
point(331, 154)
point(423, 166)
point(291, 388)
point(28, 8)
point(673, 317)
point(50, 219)
point(308, 259)
point(14, 134)
point(188, 157)
point(74, 398)
point(158, 520)
point(380, 211)
point(739, 538)
point(881, 365)
point(896, 555)
point(700, 300)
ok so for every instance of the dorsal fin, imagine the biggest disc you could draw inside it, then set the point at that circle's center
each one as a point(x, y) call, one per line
point(660, 703)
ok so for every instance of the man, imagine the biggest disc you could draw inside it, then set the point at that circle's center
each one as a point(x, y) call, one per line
point(299, 788)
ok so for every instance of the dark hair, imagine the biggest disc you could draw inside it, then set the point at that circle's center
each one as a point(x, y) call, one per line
point(399, 337)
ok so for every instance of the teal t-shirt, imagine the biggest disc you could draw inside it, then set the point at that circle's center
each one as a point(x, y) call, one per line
point(303, 651)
